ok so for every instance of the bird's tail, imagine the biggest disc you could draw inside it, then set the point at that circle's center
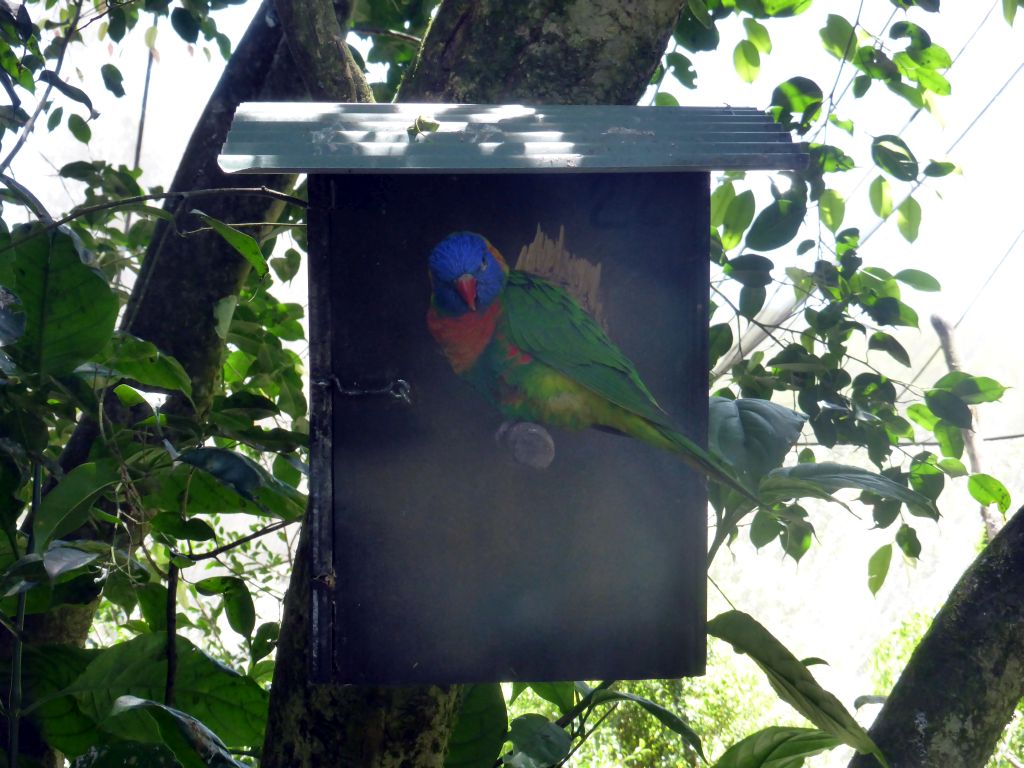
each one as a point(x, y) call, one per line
point(702, 460)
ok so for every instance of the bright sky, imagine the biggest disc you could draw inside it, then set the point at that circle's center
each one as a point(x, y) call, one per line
point(969, 228)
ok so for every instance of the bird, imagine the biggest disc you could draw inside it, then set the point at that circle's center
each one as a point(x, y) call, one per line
point(529, 348)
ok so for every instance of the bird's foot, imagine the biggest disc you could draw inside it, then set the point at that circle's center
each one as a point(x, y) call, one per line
point(530, 444)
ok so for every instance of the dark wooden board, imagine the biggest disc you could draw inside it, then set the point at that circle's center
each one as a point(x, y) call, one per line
point(438, 558)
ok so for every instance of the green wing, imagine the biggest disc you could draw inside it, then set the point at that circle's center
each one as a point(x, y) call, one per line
point(546, 322)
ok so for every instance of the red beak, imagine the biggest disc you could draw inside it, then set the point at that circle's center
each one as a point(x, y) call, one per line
point(466, 286)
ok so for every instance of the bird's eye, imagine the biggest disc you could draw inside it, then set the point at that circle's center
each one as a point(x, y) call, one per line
point(483, 263)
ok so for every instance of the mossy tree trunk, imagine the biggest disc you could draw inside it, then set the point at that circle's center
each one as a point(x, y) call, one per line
point(966, 676)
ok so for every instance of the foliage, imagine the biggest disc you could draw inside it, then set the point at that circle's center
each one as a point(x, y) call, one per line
point(163, 525)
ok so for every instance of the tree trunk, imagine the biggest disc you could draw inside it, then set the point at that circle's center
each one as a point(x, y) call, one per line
point(966, 676)
point(541, 52)
point(486, 52)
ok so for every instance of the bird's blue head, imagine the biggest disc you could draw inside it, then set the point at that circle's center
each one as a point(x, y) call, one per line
point(467, 273)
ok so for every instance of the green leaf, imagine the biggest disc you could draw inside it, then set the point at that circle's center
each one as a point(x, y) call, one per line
point(884, 342)
point(720, 199)
point(193, 744)
point(287, 266)
point(752, 298)
point(753, 435)
point(48, 670)
point(936, 169)
point(538, 739)
point(921, 414)
point(839, 38)
point(777, 747)
point(831, 209)
point(241, 242)
point(665, 99)
point(232, 469)
point(185, 24)
point(906, 538)
point(787, 482)
point(971, 389)
point(112, 79)
point(77, 94)
point(60, 559)
point(952, 467)
point(238, 603)
point(68, 305)
point(764, 528)
point(232, 705)
point(949, 407)
point(682, 69)
point(878, 568)
point(738, 216)
point(54, 119)
point(190, 529)
point(780, 220)
point(892, 155)
point(66, 506)
point(915, 278)
point(790, 678)
point(950, 439)
point(880, 194)
point(798, 97)
point(142, 362)
point(664, 716)
point(265, 640)
point(747, 61)
point(1010, 10)
point(908, 219)
point(480, 728)
point(79, 129)
point(719, 342)
point(987, 490)
point(205, 494)
point(758, 35)
point(750, 269)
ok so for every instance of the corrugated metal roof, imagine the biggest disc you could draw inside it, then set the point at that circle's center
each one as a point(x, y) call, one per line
point(381, 138)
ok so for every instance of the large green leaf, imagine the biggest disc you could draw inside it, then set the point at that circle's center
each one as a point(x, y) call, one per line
point(791, 679)
point(141, 361)
point(536, 742)
point(67, 505)
point(193, 744)
point(264, 492)
point(204, 494)
point(790, 482)
point(780, 220)
point(232, 705)
point(47, 670)
point(480, 728)
point(69, 307)
point(753, 435)
point(777, 747)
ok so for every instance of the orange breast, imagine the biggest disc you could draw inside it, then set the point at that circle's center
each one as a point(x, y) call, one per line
point(465, 337)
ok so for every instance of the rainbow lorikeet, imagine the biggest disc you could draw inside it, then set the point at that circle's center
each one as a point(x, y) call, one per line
point(535, 354)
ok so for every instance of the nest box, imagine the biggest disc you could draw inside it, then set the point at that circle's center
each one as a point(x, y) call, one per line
point(450, 543)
